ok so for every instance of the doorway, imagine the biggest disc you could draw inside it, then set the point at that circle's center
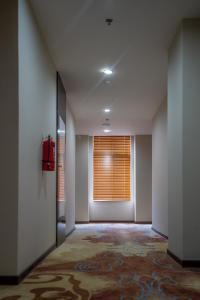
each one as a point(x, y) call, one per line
point(60, 165)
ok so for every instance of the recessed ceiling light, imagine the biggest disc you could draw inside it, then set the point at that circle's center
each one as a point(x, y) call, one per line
point(107, 110)
point(107, 71)
point(107, 130)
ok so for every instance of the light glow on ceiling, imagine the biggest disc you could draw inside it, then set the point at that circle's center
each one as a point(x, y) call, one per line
point(107, 110)
point(60, 131)
point(107, 71)
point(107, 130)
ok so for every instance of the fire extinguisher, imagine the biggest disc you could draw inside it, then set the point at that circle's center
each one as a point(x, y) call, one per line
point(48, 154)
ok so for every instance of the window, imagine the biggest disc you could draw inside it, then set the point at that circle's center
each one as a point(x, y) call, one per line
point(111, 163)
point(61, 174)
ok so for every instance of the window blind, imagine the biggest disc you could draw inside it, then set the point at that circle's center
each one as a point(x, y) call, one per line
point(111, 168)
point(61, 176)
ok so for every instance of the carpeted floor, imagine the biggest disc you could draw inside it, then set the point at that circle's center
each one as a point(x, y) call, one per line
point(108, 262)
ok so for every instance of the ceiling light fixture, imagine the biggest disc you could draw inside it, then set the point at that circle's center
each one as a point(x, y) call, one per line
point(109, 21)
point(107, 71)
point(107, 110)
point(107, 130)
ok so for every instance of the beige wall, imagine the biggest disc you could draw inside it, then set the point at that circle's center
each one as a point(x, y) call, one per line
point(160, 171)
point(143, 180)
point(9, 136)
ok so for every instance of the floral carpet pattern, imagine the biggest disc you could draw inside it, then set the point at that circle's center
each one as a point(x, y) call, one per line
point(109, 262)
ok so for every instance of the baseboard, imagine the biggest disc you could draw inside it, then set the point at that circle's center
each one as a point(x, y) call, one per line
point(184, 263)
point(14, 280)
point(143, 222)
point(10, 280)
point(160, 233)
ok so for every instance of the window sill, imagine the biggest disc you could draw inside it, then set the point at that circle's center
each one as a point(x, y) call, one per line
point(115, 200)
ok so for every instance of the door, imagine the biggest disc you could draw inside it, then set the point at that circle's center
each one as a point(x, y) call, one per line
point(60, 165)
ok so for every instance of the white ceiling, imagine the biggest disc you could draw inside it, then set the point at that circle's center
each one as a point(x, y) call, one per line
point(135, 46)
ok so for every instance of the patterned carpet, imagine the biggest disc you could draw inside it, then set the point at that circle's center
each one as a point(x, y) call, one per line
point(108, 262)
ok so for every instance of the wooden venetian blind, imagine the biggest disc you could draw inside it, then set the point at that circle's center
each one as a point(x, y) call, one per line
point(61, 176)
point(111, 163)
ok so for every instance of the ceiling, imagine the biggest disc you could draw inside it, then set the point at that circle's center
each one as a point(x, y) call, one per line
point(134, 46)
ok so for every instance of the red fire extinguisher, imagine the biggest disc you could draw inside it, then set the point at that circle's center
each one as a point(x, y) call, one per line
point(48, 154)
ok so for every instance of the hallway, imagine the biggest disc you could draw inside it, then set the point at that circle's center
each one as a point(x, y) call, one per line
point(108, 262)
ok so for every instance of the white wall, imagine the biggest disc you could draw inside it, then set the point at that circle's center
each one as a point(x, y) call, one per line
point(160, 171)
point(175, 141)
point(70, 171)
point(184, 142)
point(82, 152)
point(37, 119)
point(9, 136)
point(191, 139)
point(27, 115)
point(143, 180)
